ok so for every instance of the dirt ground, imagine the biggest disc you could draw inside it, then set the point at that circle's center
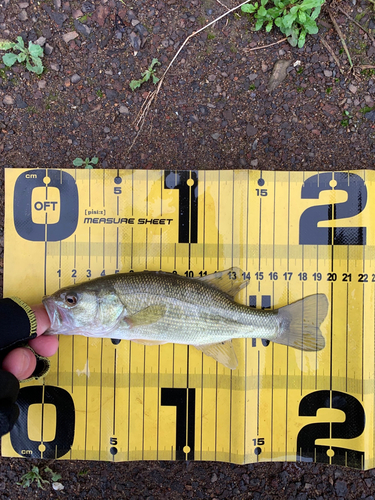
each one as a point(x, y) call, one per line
point(215, 110)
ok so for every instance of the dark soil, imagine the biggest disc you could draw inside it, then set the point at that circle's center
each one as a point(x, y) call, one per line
point(213, 111)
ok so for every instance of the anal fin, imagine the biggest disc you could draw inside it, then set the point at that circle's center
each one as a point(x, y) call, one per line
point(222, 352)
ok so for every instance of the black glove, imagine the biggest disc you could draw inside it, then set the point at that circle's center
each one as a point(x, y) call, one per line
point(17, 327)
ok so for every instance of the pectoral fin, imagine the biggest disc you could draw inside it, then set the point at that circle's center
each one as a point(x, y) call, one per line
point(146, 316)
point(148, 342)
point(229, 281)
point(223, 352)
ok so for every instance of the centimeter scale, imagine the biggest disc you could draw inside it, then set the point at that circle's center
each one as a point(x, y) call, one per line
point(292, 234)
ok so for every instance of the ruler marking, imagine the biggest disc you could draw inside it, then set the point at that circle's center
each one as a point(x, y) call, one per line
point(218, 224)
point(103, 188)
point(42, 416)
point(103, 248)
point(144, 402)
point(216, 388)
point(232, 216)
point(258, 390)
point(129, 406)
point(204, 220)
point(158, 408)
point(287, 349)
point(101, 396)
point(87, 395)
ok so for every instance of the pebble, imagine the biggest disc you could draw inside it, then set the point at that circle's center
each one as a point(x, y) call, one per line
point(55, 67)
point(42, 84)
point(353, 89)
point(370, 115)
point(251, 130)
point(124, 110)
point(22, 16)
point(213, 478)
point(254, 163)
point(215, 136)
point(67, 37)
point(23, 5)
point(8, 100)
point(82, 28)
point(48, 49)
point(75, 78)
point(211, 78)
point(327, 72)
point(106, 130)
point(41, 41)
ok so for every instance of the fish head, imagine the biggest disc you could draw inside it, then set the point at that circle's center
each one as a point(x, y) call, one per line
point(84, 311)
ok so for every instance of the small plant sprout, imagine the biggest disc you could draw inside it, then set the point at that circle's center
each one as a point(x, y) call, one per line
point(294, 18)
point(34, 475)
point(150, 72)
point(31, 56)
point(78, 162)
point(346, 117)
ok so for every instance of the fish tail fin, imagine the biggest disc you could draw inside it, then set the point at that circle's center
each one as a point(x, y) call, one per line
point(299, 323)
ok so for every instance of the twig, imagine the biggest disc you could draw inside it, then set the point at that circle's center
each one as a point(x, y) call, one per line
point(330, 50)
point(342, 40)
point(367, 66)
point(355, 22)
point(218, 1)
point(265, 46)
point(140, 119)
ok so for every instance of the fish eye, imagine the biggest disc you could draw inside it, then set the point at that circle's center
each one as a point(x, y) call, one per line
point(71, 298)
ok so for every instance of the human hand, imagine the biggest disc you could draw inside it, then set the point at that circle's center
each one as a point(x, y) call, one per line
point(21, 361)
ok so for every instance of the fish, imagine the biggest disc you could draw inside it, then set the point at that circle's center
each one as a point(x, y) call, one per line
point(155, 308)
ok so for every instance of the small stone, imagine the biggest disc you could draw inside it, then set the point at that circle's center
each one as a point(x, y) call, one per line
point(253, 77)
point(135, 22)
point(67, 37)
point(57, 486)
point(264, 67)
point(22, 16)
point(106, 130)
point(20, 103)
point(253, 163)
point(77, 14)
point(213, 478)
point(251, 130)
point(228, 115)
point(75, 78)
point(42, 84)
point(8, 100)
point(88, 7)
point(327, 72)
point(353, 89)
point(41, 41)
point(124, 110)
point(48, 49)
point(370, 115)
point(211, 78)
point(215, 136)
point(135, 41)
point(55, 67)
point(82, 28)
point(23, 5)
point(341, 488)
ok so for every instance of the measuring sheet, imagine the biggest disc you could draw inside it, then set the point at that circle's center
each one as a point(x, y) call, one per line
point(292, 234)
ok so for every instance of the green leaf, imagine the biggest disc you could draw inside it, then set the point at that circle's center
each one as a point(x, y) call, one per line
point(301, 17)
point(20, 44)
point(35, 50)
point(310, 26)
point(261, 12)
point(21, 56)
point(248, 8)
point(289, 19)
point(155, 62)
point(269, 26)
point(9, 59)
point(78, 162)
point(36, 68)
point(155, 79)
point(94, 160)
point(264, 2)
point(134, 84)
point(311, 4)
point(302, 39)
point(6, 45)
point(315, 13)
point(259, 24)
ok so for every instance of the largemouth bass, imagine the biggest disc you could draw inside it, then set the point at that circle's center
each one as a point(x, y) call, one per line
point(155, 308)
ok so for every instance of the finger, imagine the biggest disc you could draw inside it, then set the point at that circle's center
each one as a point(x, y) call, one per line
point(45, 345)
point(42, 319)
point(21, 362)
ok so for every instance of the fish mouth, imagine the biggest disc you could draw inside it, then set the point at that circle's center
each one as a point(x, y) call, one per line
point(61, 321)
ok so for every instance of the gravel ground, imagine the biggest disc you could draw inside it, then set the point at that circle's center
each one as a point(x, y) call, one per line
point(214, 110)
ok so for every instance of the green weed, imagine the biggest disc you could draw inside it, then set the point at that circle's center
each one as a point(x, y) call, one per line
point(78, 162)
point(149, 73)
point(294, 18)
point(31, 56)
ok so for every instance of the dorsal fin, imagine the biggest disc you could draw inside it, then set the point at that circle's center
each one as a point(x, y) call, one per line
point(229, 281)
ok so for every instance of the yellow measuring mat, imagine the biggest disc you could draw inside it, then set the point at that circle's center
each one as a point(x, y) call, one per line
point(280, 236)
